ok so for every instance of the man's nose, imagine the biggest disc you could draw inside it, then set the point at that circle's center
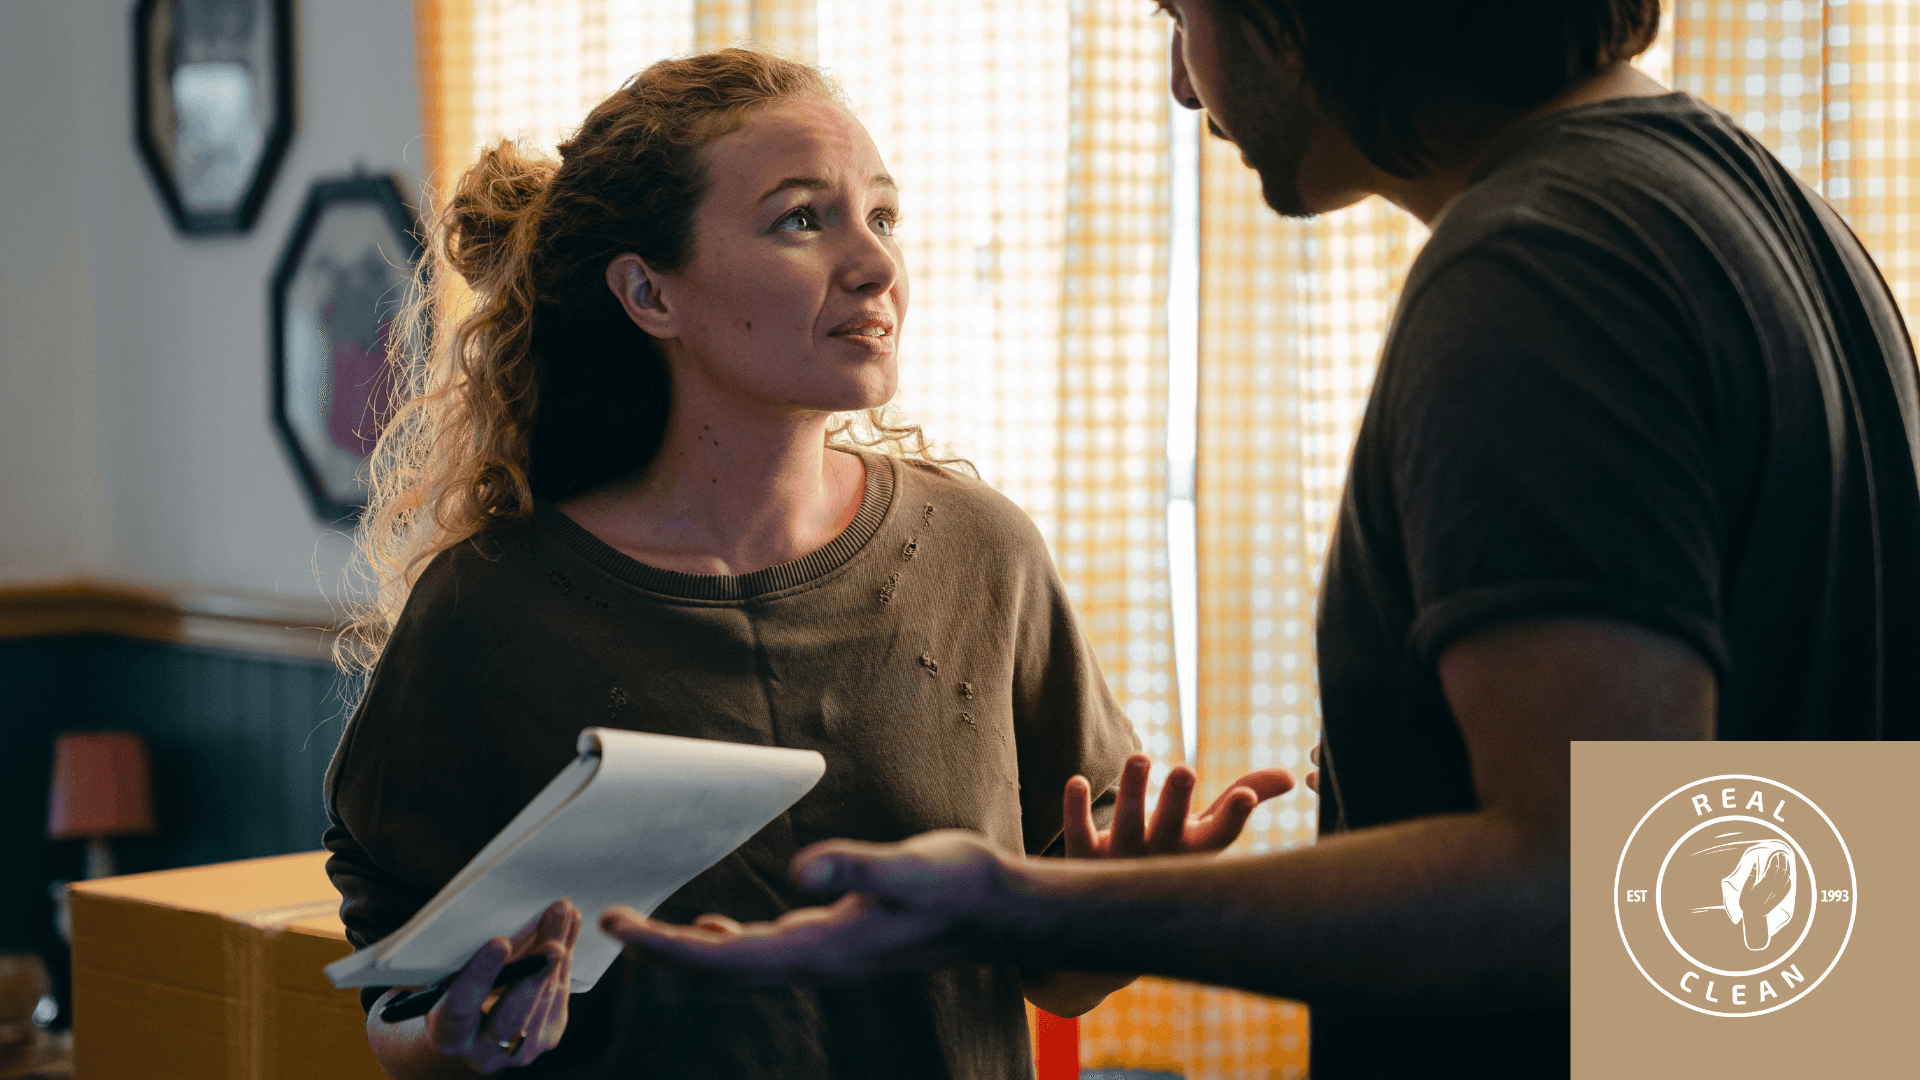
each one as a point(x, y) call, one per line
point(1177, 82)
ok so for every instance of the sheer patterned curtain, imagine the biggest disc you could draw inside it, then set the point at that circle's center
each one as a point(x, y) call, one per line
point(1833, 88)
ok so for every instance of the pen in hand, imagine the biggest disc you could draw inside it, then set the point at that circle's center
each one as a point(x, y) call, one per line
point(408, 1005)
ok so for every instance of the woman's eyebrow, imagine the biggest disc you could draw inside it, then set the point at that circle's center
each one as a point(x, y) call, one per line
point(814, 183)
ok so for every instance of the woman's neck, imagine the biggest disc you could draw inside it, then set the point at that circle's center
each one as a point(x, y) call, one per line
point(732, 490)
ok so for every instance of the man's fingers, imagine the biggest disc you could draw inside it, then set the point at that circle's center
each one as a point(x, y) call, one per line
point(928, 867)
point(1082, 837)
point(853, 938)
point(1128, 836)
point(1313, 781)
point(1168, 832)
point(621, 920)
point(834, 866)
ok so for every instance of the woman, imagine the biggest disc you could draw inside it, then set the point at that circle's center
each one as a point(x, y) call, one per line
point(614, 502)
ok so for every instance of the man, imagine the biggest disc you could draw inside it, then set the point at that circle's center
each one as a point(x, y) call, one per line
point(1639, 463)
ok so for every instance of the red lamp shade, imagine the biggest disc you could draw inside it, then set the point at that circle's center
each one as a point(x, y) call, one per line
point(100, 786)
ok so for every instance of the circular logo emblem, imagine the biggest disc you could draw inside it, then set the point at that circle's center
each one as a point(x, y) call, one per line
point(1735, 895)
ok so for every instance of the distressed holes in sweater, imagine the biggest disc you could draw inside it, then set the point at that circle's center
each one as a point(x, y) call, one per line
point(932, 665)
point(597, 602)
point(926, 514)
point(912, 547)
point(560, 582)
point(616, 701)
point(887, 590)
point(966, 690)
point(967, 719)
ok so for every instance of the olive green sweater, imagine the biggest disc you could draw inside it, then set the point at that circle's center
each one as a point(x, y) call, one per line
point(928, 652)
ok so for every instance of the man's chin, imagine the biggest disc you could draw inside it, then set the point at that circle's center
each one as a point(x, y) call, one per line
point(1280, 190)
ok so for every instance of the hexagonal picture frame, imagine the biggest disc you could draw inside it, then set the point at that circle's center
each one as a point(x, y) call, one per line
point(342, 280)
point(213, 105)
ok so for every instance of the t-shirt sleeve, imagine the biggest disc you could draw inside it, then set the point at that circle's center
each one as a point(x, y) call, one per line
point(1552, 447)
point(1066, 720)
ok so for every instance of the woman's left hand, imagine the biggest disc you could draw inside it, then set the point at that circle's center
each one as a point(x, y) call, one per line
point(1172, 830)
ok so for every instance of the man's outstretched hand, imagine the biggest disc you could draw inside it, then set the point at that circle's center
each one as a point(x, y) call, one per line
point(924, 902)
point(1172, 830)
point(936, 899)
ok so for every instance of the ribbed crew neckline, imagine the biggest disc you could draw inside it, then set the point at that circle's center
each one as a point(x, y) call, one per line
point(874, 503)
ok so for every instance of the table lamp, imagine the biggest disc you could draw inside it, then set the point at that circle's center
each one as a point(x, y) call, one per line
point(100, 789)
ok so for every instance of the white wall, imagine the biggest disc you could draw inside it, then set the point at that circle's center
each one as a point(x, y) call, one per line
point(135, 440)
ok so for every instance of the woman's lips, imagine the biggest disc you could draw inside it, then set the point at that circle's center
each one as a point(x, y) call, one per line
point(874, 335)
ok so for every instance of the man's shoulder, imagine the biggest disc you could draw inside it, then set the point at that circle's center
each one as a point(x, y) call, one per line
point(1628, 173)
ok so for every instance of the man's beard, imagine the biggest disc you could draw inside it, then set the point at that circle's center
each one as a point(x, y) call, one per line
point(1277, 162)
point(1273, 139)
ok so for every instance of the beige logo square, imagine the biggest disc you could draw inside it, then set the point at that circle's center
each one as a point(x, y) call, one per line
point(1744, 909)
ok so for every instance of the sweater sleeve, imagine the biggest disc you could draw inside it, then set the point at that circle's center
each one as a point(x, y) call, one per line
point(1066, 720)
point(373, 902)
point(417, 784)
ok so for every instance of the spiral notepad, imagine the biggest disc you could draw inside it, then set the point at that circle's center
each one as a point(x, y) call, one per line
point(629, 821)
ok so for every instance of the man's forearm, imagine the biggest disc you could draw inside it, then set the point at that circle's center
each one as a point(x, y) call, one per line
point(1468, 911)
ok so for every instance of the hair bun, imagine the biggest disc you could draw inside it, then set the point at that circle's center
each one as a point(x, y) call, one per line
point(488, 221)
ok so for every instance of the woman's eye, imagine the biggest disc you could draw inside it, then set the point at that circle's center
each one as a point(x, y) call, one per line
point(884, 224)
point(800, 219)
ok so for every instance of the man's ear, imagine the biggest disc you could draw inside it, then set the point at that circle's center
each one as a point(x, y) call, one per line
point(639, 289)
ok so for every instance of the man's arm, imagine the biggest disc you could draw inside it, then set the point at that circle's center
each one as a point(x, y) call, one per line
point(1470, 909)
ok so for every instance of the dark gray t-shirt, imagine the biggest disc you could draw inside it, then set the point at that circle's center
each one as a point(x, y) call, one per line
point(929, 652)
point(1640, 373)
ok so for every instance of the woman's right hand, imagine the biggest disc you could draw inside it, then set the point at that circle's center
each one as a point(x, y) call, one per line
point(527, 1017)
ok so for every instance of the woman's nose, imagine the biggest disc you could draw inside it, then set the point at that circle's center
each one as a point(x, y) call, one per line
point(871, 265)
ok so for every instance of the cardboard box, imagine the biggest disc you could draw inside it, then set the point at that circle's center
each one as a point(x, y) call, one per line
point(213, 973)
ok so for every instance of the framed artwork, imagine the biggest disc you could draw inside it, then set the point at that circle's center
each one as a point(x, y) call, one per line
point(341, 282)
point(213, 105)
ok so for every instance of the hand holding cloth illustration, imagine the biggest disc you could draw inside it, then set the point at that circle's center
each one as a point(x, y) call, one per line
point(1761, 890)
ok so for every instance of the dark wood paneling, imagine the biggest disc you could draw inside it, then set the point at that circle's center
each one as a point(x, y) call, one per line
point(239, 743)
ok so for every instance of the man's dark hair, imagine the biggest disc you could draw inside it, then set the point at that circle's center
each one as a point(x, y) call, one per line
point(1384, 69)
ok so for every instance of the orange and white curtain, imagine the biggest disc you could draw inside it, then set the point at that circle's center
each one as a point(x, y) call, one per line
point(1038, 162)
point(1833, 88)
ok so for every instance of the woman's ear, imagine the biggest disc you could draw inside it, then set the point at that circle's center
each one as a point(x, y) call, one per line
point(638, 288)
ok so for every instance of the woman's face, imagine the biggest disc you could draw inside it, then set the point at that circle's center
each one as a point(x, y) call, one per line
point(795, 292)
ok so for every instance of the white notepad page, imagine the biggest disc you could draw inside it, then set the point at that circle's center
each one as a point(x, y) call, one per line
point(629, 821)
